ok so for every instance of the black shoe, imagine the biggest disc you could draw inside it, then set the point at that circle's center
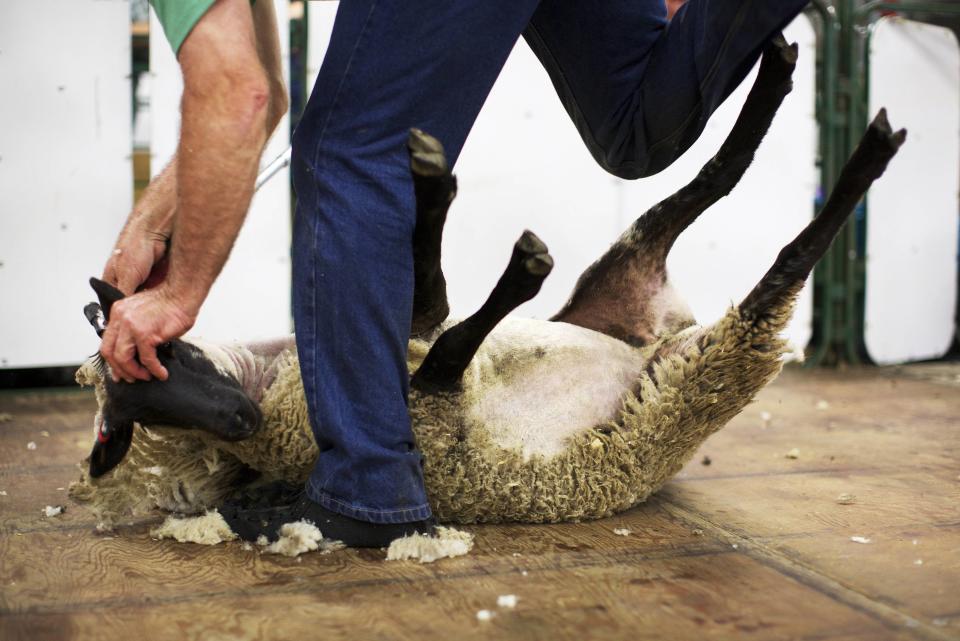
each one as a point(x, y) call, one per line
point(262, 511)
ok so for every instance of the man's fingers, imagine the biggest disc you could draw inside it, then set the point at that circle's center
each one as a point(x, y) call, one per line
point(126, 355)
point(128, 285)
point(110, 272)
point(106, 350)
point(148, 358)
point(123, 359)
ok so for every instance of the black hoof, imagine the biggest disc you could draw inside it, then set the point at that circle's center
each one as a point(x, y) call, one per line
point(426, 154)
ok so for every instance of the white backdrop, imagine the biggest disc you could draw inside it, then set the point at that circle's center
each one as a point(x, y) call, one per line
point(251, 298)
point(912, 212)
point(66, 181)
point(547, 181)
point(524, 166)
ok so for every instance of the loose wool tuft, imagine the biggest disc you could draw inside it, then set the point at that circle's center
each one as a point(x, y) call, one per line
point(208, 529)
point(300, 537)
point(447, 542)
point(683, 388)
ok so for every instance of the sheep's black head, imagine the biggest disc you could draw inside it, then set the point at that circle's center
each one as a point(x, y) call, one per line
point(196, 395)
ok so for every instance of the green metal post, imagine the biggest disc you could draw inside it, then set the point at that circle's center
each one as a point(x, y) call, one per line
point(828, 116)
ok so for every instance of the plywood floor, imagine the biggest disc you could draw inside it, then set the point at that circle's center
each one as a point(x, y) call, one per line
point(752, 546)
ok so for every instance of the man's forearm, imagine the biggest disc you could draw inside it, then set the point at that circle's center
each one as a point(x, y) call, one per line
point(223, 130)
point(219, 153)
point(154, 211)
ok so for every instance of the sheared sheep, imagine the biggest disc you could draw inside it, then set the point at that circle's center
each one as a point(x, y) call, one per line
point(579, 417)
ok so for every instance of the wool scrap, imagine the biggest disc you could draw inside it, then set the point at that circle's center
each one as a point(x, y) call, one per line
point(447, 542)
point(507, 601)
point(622, 531)
point(484, 615)
point(208, 529)
point(299, 537)
point(53, 510)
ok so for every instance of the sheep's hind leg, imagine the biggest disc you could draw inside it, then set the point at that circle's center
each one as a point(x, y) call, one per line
point(434, 187)
point(625, 294)
point(444, 365)
point(772, 298)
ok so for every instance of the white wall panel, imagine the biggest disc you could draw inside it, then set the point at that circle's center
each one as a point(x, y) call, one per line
point(912, 210)
point(251, 298)
point(524, 166)
point(65, 171)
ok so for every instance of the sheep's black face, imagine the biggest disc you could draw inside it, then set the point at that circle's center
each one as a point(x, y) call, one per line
point(196, 395)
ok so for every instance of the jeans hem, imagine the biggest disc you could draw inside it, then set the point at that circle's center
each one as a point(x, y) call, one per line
point(370, 515)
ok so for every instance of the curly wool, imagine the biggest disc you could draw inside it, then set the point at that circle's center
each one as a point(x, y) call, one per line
point(686, 397)
point(695, 383)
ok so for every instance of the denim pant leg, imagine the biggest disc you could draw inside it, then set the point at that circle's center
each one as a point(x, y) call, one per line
point(390, 66)
point(639, 89)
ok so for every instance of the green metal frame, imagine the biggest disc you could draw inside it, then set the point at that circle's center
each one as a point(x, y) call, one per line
point(842, 102)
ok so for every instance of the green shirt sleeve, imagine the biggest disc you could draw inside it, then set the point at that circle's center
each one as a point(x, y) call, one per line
point(178, 18)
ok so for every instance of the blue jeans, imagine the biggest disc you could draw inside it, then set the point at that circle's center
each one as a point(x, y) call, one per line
point(638, 89)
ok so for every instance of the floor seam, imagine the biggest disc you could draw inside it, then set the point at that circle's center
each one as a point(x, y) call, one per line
point(889, 616)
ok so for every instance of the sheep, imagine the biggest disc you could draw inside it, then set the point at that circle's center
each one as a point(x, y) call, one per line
point(579, 417)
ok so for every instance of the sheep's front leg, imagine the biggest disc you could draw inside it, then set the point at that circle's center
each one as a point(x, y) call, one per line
point(444, 365)
point(435, 188)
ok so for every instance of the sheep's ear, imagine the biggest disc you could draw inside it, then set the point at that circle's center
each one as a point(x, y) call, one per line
point(95, 317)
point(113, 441)
point(108, 295)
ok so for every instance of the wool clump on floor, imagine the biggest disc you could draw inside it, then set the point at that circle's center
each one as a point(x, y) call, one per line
point(303, 536)
point(208, 529)
point(299, 537)
point(507, 601)
point(448, 542)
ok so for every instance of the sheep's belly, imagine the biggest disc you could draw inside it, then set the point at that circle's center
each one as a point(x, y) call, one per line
point(534, 383)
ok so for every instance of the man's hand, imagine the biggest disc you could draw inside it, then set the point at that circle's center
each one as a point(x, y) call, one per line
point(143, 241)
point(133, 259)
point(137, 325)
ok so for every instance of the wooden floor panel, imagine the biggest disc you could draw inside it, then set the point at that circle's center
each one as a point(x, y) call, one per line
point(752, 546)
point(725, 595)
point(784, 504)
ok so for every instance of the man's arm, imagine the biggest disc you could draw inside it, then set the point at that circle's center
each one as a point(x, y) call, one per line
point(142, 242)
point(225, 110)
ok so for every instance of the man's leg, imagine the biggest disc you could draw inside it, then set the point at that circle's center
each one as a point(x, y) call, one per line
point(640, 89)
point(390, 66)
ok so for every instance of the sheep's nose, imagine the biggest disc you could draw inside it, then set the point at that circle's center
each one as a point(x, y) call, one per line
point(245, 421)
